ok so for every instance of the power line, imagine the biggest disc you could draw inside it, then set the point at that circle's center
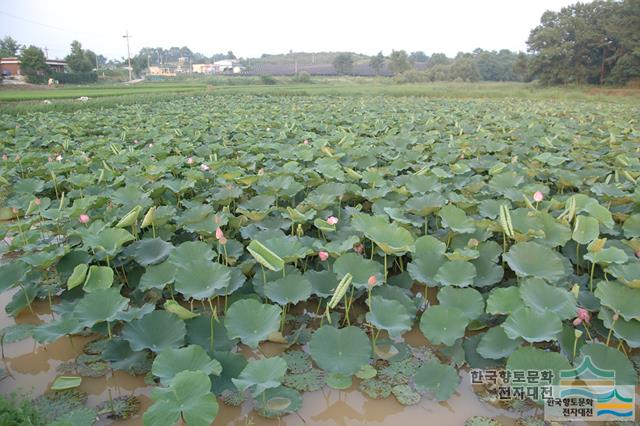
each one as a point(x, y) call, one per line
point(53, 26)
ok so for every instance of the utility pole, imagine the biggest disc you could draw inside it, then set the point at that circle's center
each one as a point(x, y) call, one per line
point(46, 52)
point(127, 36)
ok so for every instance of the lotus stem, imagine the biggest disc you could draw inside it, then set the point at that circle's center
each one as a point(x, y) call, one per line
point(373, 247)
point(385, 268)
point(621, 346)
point(611, 331)
point(318, 307)
point(426, 225)
point(586, 328)
point(593, 267)
point(264, 275)
point(577, 259)
point(50, 304)
point(226, 256)
point(108, 264)
point(26, 296)
point(153, 229)
point(575, 346)
point(283, 317)
point(71, 341)
point(109, 329)
point(211, 327)
point(347, 306)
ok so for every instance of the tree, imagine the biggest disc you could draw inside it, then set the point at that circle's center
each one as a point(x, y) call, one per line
point(230, 55)
point(437, 59)
point(521, 67)
point(343, 63)
point(8, 47)
point(399, 61)
point(78, 60)
point(33, 64)
point(377, 62)
point(418, 56)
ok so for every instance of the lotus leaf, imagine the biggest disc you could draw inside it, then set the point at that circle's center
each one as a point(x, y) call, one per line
point(456, 219)
point(252, 321)
point(201, 278)
point(459, 273)
point(260, 375)
point(442, 324)
point(171, 361)
point(606, 358)
point(277, 402)
point(290, 289)
point(529, 259)
point(359, 268)
point(341, 351)
point(100, 305)
point(619, 298)
point(541, 296)
point(150, 251)
point(503, 301)
point(468, 300)
point(586, 229)
point(389, 315)
point(440, 379)
point(496, 344)
point(98, 277)
point(533, 325)
point(157, 331)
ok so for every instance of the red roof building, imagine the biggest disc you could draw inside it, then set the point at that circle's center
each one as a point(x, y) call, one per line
point(11, 66)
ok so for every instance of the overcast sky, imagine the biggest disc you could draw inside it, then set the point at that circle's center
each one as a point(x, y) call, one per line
point(253, 27)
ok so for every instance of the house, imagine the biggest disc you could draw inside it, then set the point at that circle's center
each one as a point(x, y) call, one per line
point(162, 71)
point(227, 66)
point(202, 68)
point(11, 66)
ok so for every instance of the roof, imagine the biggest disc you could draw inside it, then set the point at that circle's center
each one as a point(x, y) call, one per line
point(16, 60)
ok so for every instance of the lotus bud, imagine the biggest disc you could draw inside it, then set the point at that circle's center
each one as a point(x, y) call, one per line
point(306, 142)
point(219, 233)
point(222, 240)
point(638, 254)
point(150, 145)
point(190, 160)
point(217, 219)
point(359, 248)
point(584, 315)
point(261, 171)
point(514, 159)
point(149, 217)
point(32, 207)
point(577, 333)
point(538, 196)
point(84, 218)
point(135, 141)
point(372, 280)
point(577, 321)
point(299, 231)
point(332, 220)
point(268, 129)
point(473, 243)
point(323, 255)
point(204, 167)
point(37, 201)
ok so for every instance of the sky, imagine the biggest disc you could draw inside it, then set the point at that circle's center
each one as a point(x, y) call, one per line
point(252, 27)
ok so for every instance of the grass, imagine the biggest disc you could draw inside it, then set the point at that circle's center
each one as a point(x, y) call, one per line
point(15, 101)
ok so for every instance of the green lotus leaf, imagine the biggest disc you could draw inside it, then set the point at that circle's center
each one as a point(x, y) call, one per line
point(457, 273)
point(323, 225)
point(121, 357)
point(605, 358)
point(53, 330)
point(190, 251)
point(157, 276)
point(628, 274)
point(135, 312)
point(342, 350)
point(427, 259)
point(339, 381)
point(177, 309)
point(442, 324)
point(287, 248)
point(109, 240)
point(11, 274)
point(16, 332)
point(199, 333)
point(252, 321)
point(150, 251)
point(586, 229)
point(78, 276)
point(496, 344)
point(265, 256)
point(366, 372)
point(456, 219)
point(599, 212)
point(607, 256)
point(232, 365)
point(529, 259)
point(391, 292)
point(619, 298)
point(488, 272)
point(391, 238)
point(532, 325)
point(503, 301)
point(359, 267)
point(293, 288)
point(627, 330)
point(468, 300)
point(157, 331)
point(389, 315)
point(200, 279)
point(82, 416)
point(130, 218)
point(440, 379)
point(406, 395)
point(171, 361)
point(532, 358)
point(260, 375)
point(375, 388)
point(100, 305)
point(541, 296)
point(66, 382)
point(99, 277)
point(43, 259)
point(323, 283)
point(187, 398)
point(425, 204)
point(631, 226)
point(278, 402)
point(299, 217)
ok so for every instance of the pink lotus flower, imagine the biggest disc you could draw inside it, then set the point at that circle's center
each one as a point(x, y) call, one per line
point(359, 248)
point(204, 167)
point(59, 157)
point(219, 233)
point(372, 280)
point(538, 196)
point(306, 142)
point(323, 255)
point(332, 220)
point(583, 316)
point(84, 218)
point(190, 160)
point(638, 254)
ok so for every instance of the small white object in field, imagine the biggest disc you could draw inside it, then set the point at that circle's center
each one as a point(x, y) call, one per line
point(46, 102)
point(83, 98)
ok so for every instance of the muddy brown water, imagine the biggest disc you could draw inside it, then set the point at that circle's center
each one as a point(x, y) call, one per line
point(33, 368)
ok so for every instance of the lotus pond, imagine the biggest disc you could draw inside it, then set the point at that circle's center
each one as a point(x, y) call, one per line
point(246, 250)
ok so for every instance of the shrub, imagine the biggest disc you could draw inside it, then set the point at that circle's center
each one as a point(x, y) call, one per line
point(75, 77)
point(302, 77)
point(268, 79)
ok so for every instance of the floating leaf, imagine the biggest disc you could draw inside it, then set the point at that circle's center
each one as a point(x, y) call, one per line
point(252, 321)
point(66, 382)
point(529, 259)
point(440, 379)
point(532, 325)
point(260, 375)
point(157, 331)
point(171, 361)
point(389, 315)
point(341, 351)
point(442, 324)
